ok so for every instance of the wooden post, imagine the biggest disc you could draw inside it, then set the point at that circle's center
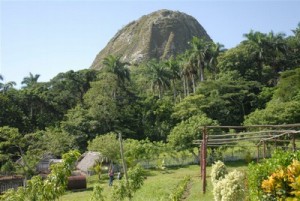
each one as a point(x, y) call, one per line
point(204, 151)
point(122, 156)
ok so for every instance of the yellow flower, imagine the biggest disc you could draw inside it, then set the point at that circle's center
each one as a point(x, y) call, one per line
point(268, 185)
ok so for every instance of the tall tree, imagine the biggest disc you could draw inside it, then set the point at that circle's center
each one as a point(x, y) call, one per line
point(184, 72)
point(174, 69)
point(7, 86)
point(11, 144)
point(107, 145)
point(228, 99)
point(293, 54)
point(115, 65)
point(67, 89)
point(158, 76)
point(214, 51)
point(4, 87)
point(101, 101)
point(257, 41)
point(31, 80)
point(199, 48)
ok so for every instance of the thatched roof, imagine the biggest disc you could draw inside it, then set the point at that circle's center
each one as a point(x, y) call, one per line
point(89, 159)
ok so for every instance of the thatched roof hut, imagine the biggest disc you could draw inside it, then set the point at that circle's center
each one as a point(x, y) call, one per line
point(89, 159)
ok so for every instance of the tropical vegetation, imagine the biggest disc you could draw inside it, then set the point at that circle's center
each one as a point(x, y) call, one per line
point(158, 106)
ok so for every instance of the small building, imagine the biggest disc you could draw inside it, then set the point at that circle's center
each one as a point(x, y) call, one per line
point(44, 164)
point(89, 159)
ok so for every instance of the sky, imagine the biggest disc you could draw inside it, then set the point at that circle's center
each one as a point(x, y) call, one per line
point(47, 37)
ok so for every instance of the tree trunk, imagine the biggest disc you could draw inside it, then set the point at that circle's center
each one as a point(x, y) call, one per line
point(193, 82)
point(201, 65)
point(174, 90)
point(187, 86)
point(184, 87)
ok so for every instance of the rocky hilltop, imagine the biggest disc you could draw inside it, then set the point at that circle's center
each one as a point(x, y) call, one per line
point(157, 35)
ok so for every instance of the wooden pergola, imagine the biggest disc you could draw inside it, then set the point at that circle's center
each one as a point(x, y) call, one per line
point(258, 134)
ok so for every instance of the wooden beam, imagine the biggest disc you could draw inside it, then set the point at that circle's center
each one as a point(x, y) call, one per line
point(258, 126)
point(252, 133)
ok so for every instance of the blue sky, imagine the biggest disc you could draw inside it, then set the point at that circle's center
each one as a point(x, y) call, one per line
point(52, 36)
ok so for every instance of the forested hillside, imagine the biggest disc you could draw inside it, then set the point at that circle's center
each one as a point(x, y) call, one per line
point(256, 82)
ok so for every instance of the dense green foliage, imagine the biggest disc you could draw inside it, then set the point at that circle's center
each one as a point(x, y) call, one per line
point(50, 188)
point(126, 188)
point(260, 171)
point(256, 82)
point(178, 192)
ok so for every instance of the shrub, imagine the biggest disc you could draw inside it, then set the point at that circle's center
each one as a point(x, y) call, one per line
point(97, 193)
point(218, 172)
point(257, 172)
point(180, 189)
point(231, 188)
point(127, 189)
point(51, 188)
point(284, 183)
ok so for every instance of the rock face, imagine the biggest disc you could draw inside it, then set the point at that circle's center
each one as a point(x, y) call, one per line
point(158, 35)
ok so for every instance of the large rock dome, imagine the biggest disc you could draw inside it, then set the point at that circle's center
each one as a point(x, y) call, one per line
point(157, 35)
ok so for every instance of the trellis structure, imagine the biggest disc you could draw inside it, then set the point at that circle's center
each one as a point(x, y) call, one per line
point(258, 134)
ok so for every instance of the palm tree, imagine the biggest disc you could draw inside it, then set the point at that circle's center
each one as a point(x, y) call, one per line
point(31, 80)
point(4, 87)
point(257, 41)
point(294, 47)
point(1, 84)
point(214, 52)
point(7, 86)
point(187, 72)
point(158, 75)
point(270, 50)
point(199, 49)
point(113, 65)
point(173, 67)
point(277, 48)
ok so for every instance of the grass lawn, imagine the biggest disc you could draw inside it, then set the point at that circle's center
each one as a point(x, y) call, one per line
point(159, 185)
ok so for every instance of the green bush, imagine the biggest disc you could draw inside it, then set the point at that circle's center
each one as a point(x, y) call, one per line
point(127, 189)
point(97, 193)
point(218, 172)
point(257, 172)
point(179, 190)
point(48, 189)
point(231, 188)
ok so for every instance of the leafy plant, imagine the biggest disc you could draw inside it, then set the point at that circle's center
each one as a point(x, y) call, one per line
point(231, 188)
point(178, 192)
point(218, 172)
point(257, 172)
point(97, 193)
point(126, 189)
point(284, 183)
point(227, 186)
point(49, 189)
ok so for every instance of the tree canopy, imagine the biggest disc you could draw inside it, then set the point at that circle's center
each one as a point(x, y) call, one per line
point(158, 101)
